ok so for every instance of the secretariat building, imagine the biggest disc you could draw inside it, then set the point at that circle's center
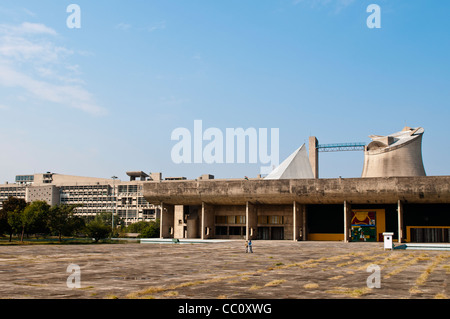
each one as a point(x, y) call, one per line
point(94, 195)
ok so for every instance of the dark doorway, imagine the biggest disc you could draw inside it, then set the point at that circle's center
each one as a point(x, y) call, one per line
point(263, 233)
point(325, 219)
point(277, 233)
point(271, 233)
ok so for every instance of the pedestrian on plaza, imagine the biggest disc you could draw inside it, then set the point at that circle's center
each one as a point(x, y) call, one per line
point(246, 246)
point(250, 248)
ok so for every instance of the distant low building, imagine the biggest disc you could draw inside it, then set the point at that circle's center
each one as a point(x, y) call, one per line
point(95, 195)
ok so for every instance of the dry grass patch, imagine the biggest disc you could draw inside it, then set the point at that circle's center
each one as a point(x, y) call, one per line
point(404, 266)
point(274, 283)
point(171, 294)
point(28, 284)
point(255, 287)
point(311, 286)
point(414, 290)
point(145, 292)
point(355, 293)
point(421, 280)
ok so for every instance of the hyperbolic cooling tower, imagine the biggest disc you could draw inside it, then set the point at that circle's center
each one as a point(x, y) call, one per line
point(398, 154)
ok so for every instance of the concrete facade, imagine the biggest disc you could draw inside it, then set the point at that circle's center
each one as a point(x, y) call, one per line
point(49, 194)
point(280, 209)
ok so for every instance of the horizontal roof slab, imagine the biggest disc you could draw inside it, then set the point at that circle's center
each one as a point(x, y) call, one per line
point(427, 189)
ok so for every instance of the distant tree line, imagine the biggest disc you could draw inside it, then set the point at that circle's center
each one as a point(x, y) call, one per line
point(17, 217)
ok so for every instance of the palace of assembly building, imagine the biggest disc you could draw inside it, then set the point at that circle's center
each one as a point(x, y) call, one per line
point(394, 194)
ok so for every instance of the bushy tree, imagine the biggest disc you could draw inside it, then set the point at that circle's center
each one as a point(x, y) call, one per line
point(15, 221)
point(105, 218)
point(138, 227)
point(63, 221)
point(97, 230)
point(151, 231)
point(34, 217)
point(145, 229)
point(10, 215)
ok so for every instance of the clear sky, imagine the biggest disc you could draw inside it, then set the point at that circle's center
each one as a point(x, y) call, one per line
point(104, 99)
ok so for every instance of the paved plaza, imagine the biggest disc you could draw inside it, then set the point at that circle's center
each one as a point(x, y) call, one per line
point(219, 270)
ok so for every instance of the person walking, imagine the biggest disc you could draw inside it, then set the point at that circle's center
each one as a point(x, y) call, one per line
point(250, 248)
point(246, 246)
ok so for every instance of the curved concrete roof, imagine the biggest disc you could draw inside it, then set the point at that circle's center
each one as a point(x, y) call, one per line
point(398, 154)
point(393, 141)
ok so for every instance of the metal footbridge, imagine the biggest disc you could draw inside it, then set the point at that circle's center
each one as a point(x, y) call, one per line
point(340, 147)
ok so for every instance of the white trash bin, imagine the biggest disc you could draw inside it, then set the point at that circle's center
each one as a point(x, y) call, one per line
point(388, 243)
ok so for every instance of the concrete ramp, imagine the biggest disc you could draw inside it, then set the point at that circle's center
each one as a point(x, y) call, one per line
point(181, 241)
point(424, 246)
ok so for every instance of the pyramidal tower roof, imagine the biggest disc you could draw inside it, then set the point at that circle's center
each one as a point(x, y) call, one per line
point(296, 166)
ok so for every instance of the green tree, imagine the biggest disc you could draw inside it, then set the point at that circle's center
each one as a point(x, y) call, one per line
point(97, 229)
point(12, 205)
point(105, 218)
point(33, 218)
point(15, 221)
point(145, 229)
point(63, 221)
point(151, 231)
point(138, 227)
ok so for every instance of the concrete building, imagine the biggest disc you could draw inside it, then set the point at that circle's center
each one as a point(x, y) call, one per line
point(413, 206)
point(95, 195)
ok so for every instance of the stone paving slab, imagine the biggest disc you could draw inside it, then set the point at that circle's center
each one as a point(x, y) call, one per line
point(276, 270)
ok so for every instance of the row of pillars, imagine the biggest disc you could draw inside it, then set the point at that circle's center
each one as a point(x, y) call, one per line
point(299, 221)
point(167, 221)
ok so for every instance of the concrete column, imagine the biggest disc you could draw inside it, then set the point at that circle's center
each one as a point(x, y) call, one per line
point(179, 228)
point(400, 220)
point(207, 221)
point(347, 221)
point(314, 155)
point(167, 221)
point(251, 221)
point(298, 226)
point(202, 222)
point(302, 220)
point(294, 223)
point(304, 224)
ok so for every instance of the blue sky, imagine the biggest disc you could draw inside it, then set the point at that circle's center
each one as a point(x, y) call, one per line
point(103, 99)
